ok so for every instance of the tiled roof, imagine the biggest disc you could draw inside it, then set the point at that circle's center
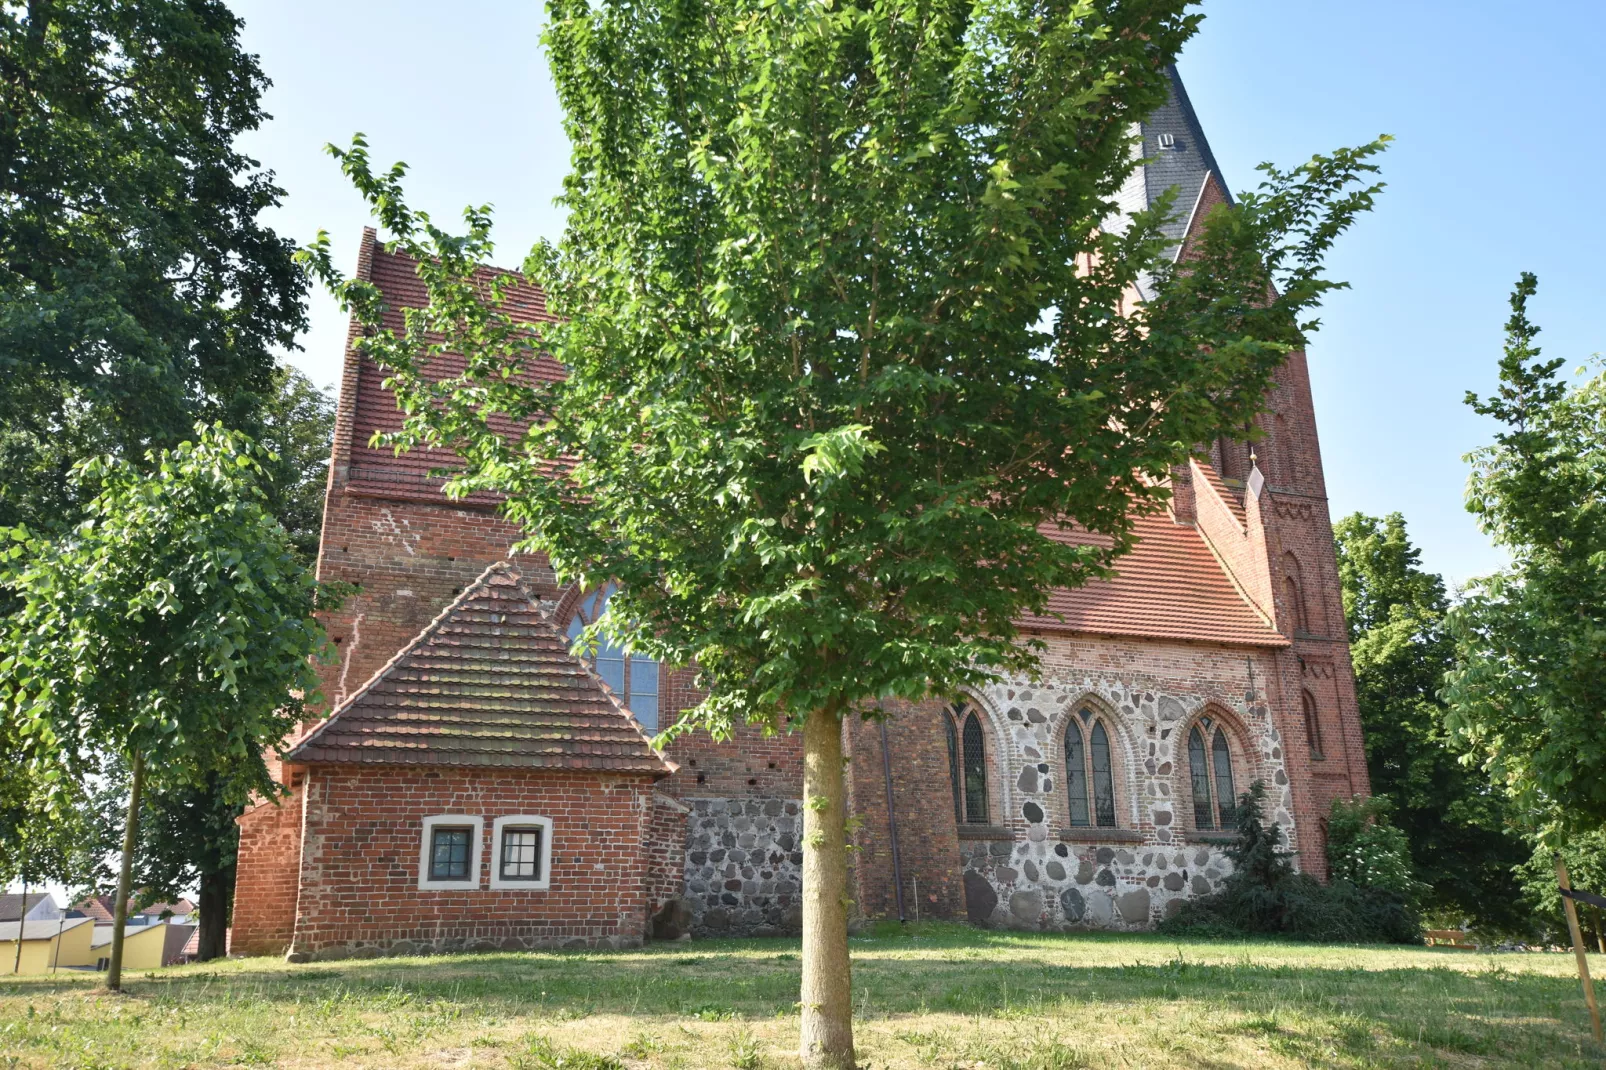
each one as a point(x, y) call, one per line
point(12, 906)
point(99, 907)
point(1169, 587)
point(490, 682)
point(379, 470)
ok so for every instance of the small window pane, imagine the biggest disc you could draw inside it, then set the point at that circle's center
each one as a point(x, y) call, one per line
point(1226, 796)
point(1203, 815)
point(975, 773)
point(953, 767)
point(448, 853)
point(644, 691)
point(1103, 778)
point(521, 854)
point(612, 671)
point(1076, 773)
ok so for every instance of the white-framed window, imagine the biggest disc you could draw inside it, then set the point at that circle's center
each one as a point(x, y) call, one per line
point(450, 853)
point(523, 858)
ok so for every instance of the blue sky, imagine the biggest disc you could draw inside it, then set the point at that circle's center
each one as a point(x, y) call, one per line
point(1497, 109)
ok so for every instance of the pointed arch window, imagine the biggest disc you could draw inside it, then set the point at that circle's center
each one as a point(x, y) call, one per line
point(1313, 725)
point(1210, 775)
point(1089, 771)
point(633, 677)
point(967, 764)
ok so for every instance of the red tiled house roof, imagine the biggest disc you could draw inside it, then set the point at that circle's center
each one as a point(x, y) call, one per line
point(490, 682)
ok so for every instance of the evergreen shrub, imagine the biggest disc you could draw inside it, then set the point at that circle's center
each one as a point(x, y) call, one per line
point(1264, 896)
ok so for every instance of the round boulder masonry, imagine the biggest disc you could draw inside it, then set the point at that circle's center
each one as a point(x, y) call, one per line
point(744, 866)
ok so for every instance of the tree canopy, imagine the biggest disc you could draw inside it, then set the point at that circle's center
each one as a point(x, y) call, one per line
point(1462, 842)
point(172, 629)
point(139, 289)
point(1530, 640)
point(847, 309)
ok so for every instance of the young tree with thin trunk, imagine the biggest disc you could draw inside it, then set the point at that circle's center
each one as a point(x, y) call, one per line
point(846, 312)
point(173, 628)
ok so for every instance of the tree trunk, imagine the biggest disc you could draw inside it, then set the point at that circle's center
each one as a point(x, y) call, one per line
point(125, 875)
point(22, 920)
point(827, 1025)
point(216, 891)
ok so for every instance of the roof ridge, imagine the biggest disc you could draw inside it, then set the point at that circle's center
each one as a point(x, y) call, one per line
point(423, 686)
point(483, 580)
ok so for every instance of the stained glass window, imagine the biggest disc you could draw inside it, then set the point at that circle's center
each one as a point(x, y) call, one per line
point(1103, 778)
point(1199, 773)
point(1076, 774)
point(633, 677)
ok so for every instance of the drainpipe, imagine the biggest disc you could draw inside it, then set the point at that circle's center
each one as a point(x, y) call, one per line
point(892, 820)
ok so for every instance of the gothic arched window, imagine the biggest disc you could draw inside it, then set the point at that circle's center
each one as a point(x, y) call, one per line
point(1313, 724)
point(633, 677)
point(1089, 771)
point(1210, 775)
point(967, 764)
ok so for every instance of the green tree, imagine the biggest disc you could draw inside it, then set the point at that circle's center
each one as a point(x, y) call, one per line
point(296, 424)
point(1585, 855)
point(1462, 842)
point(172, 629)
point(1525, 693)
point(139, 290)
point(844, 328)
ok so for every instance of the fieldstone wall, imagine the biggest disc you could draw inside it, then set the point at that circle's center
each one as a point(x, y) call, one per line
point(1083, 886)
point(744, 866)
point(1034, 872)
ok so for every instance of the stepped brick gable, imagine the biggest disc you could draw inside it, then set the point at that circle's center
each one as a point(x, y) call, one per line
point(477, 785)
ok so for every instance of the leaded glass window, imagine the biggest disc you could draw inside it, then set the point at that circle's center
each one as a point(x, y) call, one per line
point(448, 852)
point(1215, 794)
point(1076, 774)
point(1199, 773)
point(1226, 796)
point(1103, 778)
point(975, 772)
point(954, 782)
point(633, 677)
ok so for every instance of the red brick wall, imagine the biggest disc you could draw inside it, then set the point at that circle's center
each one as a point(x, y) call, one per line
point(359, 865)
point(664, 851)
point(265, 882)
point(922, 804)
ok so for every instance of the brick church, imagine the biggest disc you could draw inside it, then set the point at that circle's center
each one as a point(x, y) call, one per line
point(477, 785)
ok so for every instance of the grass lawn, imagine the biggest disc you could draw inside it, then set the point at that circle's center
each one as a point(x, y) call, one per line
point(943, 997)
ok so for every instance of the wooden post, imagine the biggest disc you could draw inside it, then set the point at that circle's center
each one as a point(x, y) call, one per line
point(1578, 948)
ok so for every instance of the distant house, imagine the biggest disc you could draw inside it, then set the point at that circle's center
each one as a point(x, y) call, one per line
point(145, 946)
point(52, 943)
point(35, 906)
point(100, 908)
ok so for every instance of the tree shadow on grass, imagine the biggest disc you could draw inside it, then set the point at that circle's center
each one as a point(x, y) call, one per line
point(1317, 1010)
